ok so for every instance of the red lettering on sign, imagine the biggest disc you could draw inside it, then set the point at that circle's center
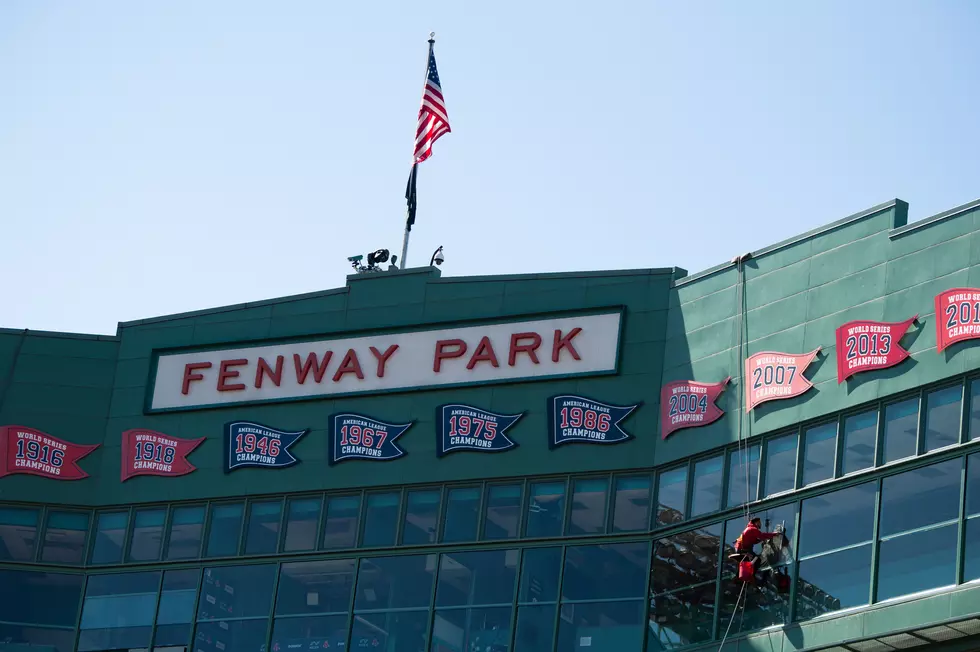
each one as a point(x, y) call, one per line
point(484, 353)
point(442, 353)
point(263, 369)
point(318, 368)
point(350, 365)
point(516, 347)
point(564, 343)
point(383, 358)
point(190, 376)
point(224, 373)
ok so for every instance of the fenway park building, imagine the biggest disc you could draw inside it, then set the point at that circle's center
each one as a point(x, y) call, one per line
point(526, 463)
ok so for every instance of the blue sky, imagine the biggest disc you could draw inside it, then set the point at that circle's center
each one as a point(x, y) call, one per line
point(172, 156)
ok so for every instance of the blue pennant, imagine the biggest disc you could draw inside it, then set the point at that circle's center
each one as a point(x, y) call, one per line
point(579, 419)
point(252, 444)
point(468, 428)
point(357, 437)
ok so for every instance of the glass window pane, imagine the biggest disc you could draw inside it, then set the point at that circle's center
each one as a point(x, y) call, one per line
point(612, 570)
point(227, 635)
point(186, 531)
point(631, 505)
point(781, 464)
point(588, 506)
point(147, 534)
point(901, 425)
point(920, 497)
point(18, 531)
point(917, 562)
point(546, 510)
point(601, 627)
point(503, 511)
point(236, 592)
point(302, 517)
point(682, 618)
point(340, 526)
point(759, 606)
point(535, 628)
point(973, 484)
point(395, 582)
point(263, 527)
point(462, 514)
point(971, 551)
point(225, 528)
point(475, 578)
point(707, 486)
point(837, 519)
point(315, 587)
point(471, 629)
point(64, 538)
point(974, 415)
point(743, 476)
point(860, 434)
point(943, 410)
point(381, 519)
point(776, 519)
point(671, 496)
point(110, 532)
point(397, 631)
point(684, 559)
point(176, 610)
point(832, 582)
point(40, 598)
point(819, 451)
point(539, 575)
point(118, 611)
point(48, 640)
point(421, 516)
point(311, 633)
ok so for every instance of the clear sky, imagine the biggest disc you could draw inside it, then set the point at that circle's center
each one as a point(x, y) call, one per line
point(159, 157)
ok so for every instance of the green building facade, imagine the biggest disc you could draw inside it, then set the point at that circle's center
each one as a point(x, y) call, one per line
point(192, 483)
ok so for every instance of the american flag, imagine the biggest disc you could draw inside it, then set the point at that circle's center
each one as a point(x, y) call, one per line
point(433, 119)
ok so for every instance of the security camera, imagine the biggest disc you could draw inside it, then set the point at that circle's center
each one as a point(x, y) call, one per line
point(437, 257)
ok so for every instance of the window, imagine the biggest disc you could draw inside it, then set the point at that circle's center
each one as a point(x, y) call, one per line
point(263, 527)
point(225, 529)
point(381, 519)
point(537, 600)
point(588, 506)
point(233, 609)
point(781, 464)
point(403, 630)
point(315, 587)
point(237, 635)
point(421, 516)
point(45, 638)
point(535, 628)
point(606, 626)
point(860, 434)
point(819, 453)
point(743, 475)
point(971, 550)
point(631, 506)
point(302, 517)
point(110, 533)
point(973, 484)
point(546, 510)
point(685, 559)
point(313, 633)
point(920, 497)
point(481, 577)
point(40, 598)
point(18, 531)
point(118, 611)
point(974, 415)
point(837, 519)
point(144, 545)
point(64, 537)
point(916, 562)
point(340, 524)
point(834, 581)
point(671, 496)
point(707, 486)
point(395, 582)
point(175, 613)
point(462, 514)
point(186, 532)
point(901, 426)
point(503, 511)
point(943, 408)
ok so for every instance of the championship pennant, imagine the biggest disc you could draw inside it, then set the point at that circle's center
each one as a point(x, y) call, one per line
point(867, 345)
point(468, 428)
point(357, 437)
point(580, 419)
point(689, 404)
point(770, 376)
point(147, 452)
point(252, 444)
point(957, 316)
point(30, 451)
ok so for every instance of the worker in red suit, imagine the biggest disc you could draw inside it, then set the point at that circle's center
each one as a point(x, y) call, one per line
point(751, 535)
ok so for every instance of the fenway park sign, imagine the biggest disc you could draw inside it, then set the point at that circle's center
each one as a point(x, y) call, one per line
point(509, 351)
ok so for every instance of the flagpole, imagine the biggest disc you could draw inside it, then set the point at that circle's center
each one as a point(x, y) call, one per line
point(410, 217)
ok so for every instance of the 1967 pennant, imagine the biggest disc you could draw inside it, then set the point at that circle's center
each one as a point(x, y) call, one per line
point(867, 345)
point(359, 437)
point(30, 451)
point(689, 404)
point(770, 376)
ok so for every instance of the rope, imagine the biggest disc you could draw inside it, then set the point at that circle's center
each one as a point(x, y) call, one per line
point(732, 620)
point(740, 300)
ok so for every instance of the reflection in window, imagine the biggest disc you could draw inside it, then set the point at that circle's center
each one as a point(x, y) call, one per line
point(920, 497)
point(340, 523)
point(901, 426)
point(401, 630)
point(175, 613)
point(64, 537)
point(47, 639)
point(707, 486)
point(973, 484)
point(743, 475)
point(603, 572)
point(759, 607)
point(144, 545)
point(225, 528)
point(671, 496)
point(118, 611)
point(837, 519)
point(236, 592)
point(831, 582)
point(315, 587)
point(311, 633)
point(971, 551)
point(781, 464)
point(263, 527)
point(503, 511)
point(18, 531)
point(381, 519)
point(943, 417)
point(471, 629)
point(462, 514)
point(302, 517)
point(546, 510)
point(782, 519)
point(40, 598)
point(819, 453)
point(588, 506)
point(535, 629)
point(421, 516)
point(860, 434)
point(607, 626)
point(917, 562)
point(110, 532)
point(475, 578)
point(225, 635)
point(539, 575)
point(685, 559)
point(681, 618)
point(974, 415)
point(186, 532)
point(395, 582)
point(631, 506)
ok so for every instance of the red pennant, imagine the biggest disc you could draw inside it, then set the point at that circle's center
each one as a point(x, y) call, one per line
point(957, 316)
point(147, 452)
point(867, 345)
point(26, 450)
point(770, 376)
point(689, 404)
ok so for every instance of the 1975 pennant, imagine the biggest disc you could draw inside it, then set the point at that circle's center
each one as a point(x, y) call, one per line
point(468, 428)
